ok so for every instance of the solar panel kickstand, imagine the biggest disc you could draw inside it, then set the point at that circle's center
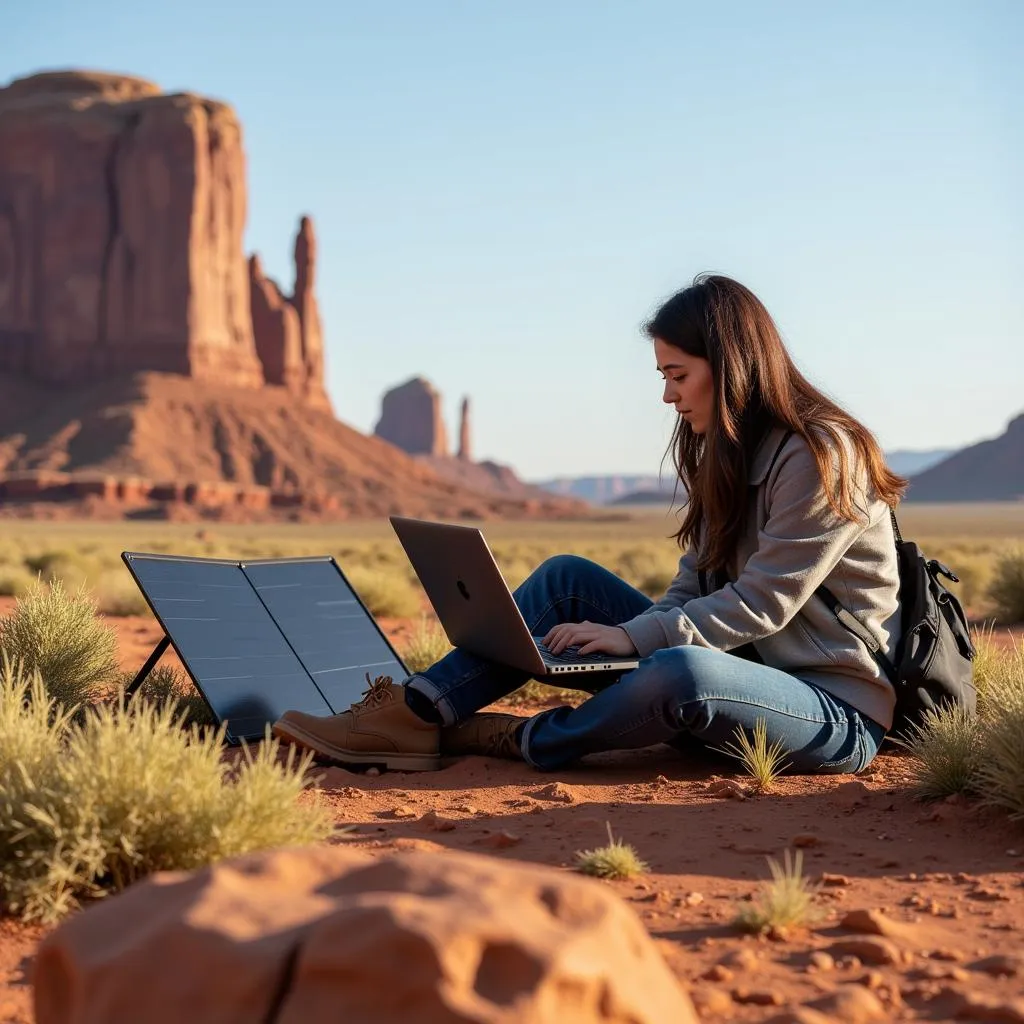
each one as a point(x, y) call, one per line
point(151, 661)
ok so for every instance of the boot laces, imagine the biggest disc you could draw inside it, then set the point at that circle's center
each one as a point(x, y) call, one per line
point(379, 692)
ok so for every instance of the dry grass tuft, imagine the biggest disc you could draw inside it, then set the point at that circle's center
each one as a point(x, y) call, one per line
point(947, 752)
point(786, 901)
point(616, 860)
point(763, 762)
point(427, 644)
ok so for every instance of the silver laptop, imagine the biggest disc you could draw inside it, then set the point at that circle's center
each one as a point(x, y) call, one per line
point(475, 606)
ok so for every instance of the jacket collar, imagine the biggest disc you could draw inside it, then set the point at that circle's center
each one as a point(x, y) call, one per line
point(764, 455)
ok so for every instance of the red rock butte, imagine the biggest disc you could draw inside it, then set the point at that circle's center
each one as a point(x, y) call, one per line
point(122, 210)
point(147, 366)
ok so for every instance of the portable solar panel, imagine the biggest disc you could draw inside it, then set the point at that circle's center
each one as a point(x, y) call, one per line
point(264, 637)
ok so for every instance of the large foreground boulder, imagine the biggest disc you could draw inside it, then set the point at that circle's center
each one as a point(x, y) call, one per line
point(327, 934)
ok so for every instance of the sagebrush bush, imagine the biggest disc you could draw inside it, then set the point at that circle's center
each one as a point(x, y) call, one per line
point(655, 584)
point(57, 634)
point(385, 593)
point(427, 644)
point(89, 808)
point(1006, 590)
point(787, 901)
point(947, 749)
point(165, 685)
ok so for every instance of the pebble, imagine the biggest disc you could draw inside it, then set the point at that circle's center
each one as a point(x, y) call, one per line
point(805, 840)
point(712, 1002)
point(403, 812)
point(822, 961)
point(743, 959)
point(992, 1009)
point(434, 822)
point(800, 1015)
point(874, 922)
point(556, 791)
point(693, 899)
point(718, 972)
point(852, 1004)
point(352, 793)
point(834, 880)
point(372, 772)
point(869, 949)
point(730, 789)
point(1007, 965)
point(758, 997)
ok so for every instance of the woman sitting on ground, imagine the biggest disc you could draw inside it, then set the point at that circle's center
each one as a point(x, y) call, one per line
point(786, 491)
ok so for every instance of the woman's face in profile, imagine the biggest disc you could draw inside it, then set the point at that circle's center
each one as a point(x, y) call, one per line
point(689, 387)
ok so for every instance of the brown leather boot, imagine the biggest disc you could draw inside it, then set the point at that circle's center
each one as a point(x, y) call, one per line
point(380, 729)
point(488, 734)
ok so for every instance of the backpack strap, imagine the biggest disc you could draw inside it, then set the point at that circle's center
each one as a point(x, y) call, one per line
point(854, 625)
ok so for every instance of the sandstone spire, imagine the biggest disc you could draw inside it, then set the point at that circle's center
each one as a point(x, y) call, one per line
point(277, 331)
point(304, 301)
point(465, 444)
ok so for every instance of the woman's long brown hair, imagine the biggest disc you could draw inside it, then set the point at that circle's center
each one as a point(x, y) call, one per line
point(756, 386)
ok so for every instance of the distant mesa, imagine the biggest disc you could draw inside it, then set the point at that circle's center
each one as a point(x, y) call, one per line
point(988, 471)
point(412, 419)
point(147, 367)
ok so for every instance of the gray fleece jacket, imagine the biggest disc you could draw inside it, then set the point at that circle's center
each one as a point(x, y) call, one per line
point(793, 543)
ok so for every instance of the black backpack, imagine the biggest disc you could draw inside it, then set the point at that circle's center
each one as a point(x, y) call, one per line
point(932, 666)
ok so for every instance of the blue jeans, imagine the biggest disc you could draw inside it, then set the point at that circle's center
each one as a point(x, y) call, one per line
point(679, 695)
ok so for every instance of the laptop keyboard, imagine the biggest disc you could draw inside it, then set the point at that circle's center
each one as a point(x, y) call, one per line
point(572, 656)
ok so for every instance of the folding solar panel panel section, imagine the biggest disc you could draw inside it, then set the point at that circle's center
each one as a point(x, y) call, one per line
point(225, 637)
point(333, 635)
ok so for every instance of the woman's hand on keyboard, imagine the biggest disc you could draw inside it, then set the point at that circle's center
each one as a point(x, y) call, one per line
point(591, 638)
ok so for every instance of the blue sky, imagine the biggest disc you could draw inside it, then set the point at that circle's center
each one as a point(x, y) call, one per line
point(504, 190)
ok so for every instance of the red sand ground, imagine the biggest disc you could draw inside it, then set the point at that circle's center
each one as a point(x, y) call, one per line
point(950, 869)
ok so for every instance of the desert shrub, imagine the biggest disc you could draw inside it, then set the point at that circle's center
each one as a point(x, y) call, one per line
point(1006, 591)
point(389, 594)
point(786, 901)
point(89, 808)
point(764, 762)
point(616, 860)
point(15, 581)
point(58, 635)
point(995, 666)
point(1000, 774)
point(165, 685)
point(975, 575)
point(427, 644)
point(947, 750)
point(117, 595)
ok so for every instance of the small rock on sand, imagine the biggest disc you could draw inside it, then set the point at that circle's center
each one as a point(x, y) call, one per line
point(434, 822)
point(852, 1004)
point(558, 792)
point(869, 949)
